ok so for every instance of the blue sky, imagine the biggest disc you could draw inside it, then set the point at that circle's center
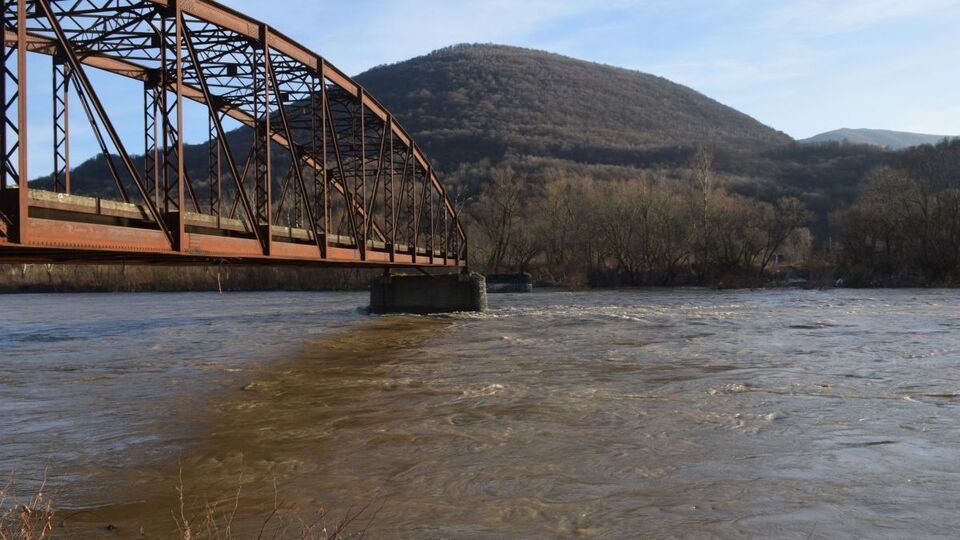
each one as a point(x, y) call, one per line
point(800, 66)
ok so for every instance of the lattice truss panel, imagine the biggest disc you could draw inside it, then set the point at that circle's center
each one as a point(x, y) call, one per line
point(316, 159)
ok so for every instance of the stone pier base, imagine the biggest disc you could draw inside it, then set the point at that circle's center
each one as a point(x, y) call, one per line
point(428, 294)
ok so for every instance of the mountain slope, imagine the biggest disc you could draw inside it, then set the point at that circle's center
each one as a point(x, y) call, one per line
point(470, 102)
point(894, 140)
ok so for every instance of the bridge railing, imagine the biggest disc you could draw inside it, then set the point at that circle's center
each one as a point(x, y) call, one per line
point(318, 172)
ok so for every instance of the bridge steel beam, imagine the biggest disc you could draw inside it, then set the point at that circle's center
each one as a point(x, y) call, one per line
point(61, 126)
point(351, 163)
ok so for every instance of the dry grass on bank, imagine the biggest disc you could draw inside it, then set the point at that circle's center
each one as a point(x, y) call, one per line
point(36, 519)
point(217, 521)
point(30, 520)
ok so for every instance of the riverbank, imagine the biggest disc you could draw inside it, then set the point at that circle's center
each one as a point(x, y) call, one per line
point(48, 278)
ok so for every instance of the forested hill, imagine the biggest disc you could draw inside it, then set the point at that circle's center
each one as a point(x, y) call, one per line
point(471, 102)
point(894, 140)
point(473, 108)
point(492, 104)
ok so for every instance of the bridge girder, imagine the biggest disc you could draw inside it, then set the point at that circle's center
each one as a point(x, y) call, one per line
point(355, 175)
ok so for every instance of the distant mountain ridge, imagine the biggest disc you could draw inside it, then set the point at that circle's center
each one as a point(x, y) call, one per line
point(894, 140)
point(472, 104)
point(466, 103)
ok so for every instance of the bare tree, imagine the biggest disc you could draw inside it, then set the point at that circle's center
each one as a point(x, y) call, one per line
point(498, 215)
point(702, 181)
point(780, 222)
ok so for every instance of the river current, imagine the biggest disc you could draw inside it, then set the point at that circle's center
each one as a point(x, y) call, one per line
point(640, 413)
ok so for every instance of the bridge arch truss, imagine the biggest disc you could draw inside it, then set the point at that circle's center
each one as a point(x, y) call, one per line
point(321, 174)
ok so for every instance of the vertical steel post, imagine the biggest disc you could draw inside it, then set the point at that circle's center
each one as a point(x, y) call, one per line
point(433, 231)
point(264, 176)
point(297, 208)
point(181, 231)
point(362, 179)
point(412, 205)
point(446, 233)
point(255, 144)
point(214, 167)
point(388, 199)
point(456, 240)
point(319, 162)
point(167, 146)
point(151, 157)
point(22, 172)
point(61, 125)
point(5, 171)
point(421, 204)
point(326, 170)
point(315, 148)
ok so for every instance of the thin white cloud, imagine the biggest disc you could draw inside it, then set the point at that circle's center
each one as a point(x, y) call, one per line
point(840, 16)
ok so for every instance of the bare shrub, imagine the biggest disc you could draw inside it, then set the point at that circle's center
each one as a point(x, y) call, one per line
point(31, 519)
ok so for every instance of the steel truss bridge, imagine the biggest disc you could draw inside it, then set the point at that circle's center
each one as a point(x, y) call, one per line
point(355, 190)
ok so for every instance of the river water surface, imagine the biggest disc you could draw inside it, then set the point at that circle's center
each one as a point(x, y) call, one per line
point(650, 413)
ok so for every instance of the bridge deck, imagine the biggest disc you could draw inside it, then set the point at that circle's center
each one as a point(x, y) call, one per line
point(74, 228)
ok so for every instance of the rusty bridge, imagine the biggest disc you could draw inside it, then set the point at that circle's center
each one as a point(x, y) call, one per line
point(302, 166)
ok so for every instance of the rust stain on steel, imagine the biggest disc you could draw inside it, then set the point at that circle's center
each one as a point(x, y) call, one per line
point(359, 191)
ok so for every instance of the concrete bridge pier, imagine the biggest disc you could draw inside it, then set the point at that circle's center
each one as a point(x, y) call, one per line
point(424, 294)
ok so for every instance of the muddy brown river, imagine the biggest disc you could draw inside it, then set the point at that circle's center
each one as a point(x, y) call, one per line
point(641, 413)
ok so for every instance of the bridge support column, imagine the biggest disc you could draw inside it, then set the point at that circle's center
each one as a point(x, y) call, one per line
point(428, 294)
